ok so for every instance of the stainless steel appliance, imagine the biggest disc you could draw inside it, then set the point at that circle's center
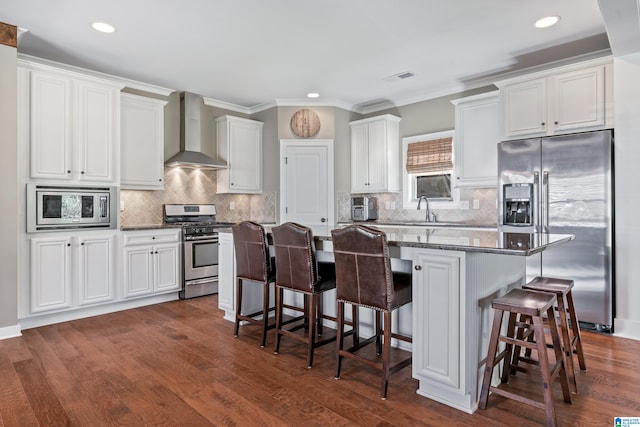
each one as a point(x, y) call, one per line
point(364, 208)
point(52, 208)
point(199, 248)
point(564, 184)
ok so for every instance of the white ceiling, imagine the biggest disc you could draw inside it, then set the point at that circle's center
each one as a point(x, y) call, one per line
point(252, 53)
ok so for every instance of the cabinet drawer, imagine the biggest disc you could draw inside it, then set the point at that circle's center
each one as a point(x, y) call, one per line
point(151, 237)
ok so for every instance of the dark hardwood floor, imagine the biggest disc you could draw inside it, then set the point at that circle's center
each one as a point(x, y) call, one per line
point(178, 364)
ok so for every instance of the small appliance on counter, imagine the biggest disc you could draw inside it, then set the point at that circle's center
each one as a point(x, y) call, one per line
point(364, 208)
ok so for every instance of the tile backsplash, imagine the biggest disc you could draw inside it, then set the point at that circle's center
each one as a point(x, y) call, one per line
point(485, 214)
point(184, 186)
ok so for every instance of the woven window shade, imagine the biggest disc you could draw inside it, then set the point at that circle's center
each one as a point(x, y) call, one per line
point(430, 157)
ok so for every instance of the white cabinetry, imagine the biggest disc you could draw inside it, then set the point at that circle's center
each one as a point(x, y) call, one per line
point(375, 155)
point(239, 143)
point(142, 142)
point(68, 271)
point(477, 133)
point(564, 100)
point(74, 127)
point(226, 276)
point(152, 261)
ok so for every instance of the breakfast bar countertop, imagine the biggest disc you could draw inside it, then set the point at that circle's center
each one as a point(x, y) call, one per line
point(463, 239)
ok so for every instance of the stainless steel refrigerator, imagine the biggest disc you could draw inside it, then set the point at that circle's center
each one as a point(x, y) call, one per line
point(564, 184)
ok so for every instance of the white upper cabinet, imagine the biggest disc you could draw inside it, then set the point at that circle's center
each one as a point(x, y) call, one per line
point(477, 133)
point(74, 127)
point(142, 142)
point(375, 155)
point(239, 143)
point(564, 100)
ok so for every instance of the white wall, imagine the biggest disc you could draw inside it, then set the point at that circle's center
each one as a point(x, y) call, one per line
point(8, 193)
point(627, 205)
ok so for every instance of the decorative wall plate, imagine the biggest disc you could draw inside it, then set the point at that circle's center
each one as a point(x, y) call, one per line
point(305, 123)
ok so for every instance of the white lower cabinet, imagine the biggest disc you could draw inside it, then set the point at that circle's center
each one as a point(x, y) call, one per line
point(226, 276)
point(68, 271)
point(152, 261)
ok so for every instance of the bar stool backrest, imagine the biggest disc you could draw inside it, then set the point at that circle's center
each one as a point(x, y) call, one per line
point(363, 268)
point(252, 254)
point(296, 265)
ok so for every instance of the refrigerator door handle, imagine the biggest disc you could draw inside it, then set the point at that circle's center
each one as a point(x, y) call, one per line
point(536, 202)
point(545, 202)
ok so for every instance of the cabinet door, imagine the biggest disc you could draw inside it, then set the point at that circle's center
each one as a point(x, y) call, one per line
point(477, 134)
point(96, 271)
point(138, 270)
point(524, 109)
point(142, 143)
point(359, 158)
point(226, 276)
point(579, 100)
point(50, 274)
point(166, 259)
point(245, 157)
point(436, 312)
point(51, 126)
point(377, 163)
point(96, 132)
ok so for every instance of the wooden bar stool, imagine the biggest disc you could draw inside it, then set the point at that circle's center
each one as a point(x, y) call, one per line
point(534, 305)
point(298, 270)
point(253, 264)
point(561, 288)
point(364, 278)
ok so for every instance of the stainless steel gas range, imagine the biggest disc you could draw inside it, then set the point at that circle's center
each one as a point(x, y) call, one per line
point(199, 247)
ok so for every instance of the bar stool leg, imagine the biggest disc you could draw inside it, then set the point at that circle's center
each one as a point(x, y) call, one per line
point(265, 314)
point(386, 351)
point(566, 343)
point(559, 354)
point(491, 358)
point(339, 338)
point(577, 338)
point(509, 348)
point(312, 328)
point(547, 390)
point(238, 305)
point(279, 296)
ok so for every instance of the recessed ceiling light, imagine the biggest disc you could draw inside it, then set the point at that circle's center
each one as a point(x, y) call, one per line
point(547, 21)
point(103, 27)
point(313, 95)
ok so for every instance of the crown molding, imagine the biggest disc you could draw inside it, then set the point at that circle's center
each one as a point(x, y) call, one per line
point(31, 61)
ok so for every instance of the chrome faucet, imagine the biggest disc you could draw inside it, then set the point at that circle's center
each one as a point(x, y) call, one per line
point(429, 214)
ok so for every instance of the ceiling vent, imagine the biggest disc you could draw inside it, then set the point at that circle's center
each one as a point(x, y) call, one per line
point(400, 76)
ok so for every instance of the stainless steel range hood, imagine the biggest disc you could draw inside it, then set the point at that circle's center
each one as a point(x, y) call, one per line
point(191, 155)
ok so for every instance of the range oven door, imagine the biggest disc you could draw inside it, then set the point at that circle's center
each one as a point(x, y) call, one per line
point(200, 266)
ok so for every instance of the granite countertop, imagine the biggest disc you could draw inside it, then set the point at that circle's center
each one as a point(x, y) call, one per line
point(465, 239)
point(436, 224)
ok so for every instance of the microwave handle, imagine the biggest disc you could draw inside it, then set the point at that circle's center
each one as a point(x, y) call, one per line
point(104, 207)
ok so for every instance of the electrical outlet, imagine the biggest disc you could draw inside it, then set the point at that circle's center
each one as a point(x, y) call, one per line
point(232, 206)
point(476, 204)
point(121, 205)
point(387, 205)
point(464, 204)
point(393, 205)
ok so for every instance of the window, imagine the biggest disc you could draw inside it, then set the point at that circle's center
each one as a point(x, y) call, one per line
point(427, 170)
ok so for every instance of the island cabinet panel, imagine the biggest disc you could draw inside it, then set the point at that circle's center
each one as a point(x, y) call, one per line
point(436, 289)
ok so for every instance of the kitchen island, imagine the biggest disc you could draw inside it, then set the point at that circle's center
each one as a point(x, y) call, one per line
point(457, 272)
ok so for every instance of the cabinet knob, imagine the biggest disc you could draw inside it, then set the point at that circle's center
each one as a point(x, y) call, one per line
point(68, 244)
point(418, 267)
point(555, 123)
point(151, 252)
point(153, 238)
point(160, 179)
point(81, 172)
point(156, 252)
point(68, 171)
point(82, 244)
point(323, 219)
point(542, 124)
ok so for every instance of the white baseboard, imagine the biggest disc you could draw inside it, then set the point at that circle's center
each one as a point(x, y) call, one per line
point(10, 332)
point(625, 328)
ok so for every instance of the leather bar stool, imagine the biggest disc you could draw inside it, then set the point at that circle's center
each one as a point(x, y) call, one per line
point(298, 270)
point(364, 279)
point(571, 342)
point(534, 305)
point(253, 264)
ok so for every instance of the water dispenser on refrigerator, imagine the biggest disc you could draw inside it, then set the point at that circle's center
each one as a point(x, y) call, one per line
point(518, 204)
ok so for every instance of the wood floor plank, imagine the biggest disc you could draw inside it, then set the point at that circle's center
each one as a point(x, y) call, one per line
point(177, 363)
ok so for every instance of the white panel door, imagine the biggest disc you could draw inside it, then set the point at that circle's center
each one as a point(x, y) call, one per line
point(306, 183)
point(95, 263)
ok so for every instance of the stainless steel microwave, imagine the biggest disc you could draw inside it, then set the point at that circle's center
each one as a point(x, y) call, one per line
point(51, 208)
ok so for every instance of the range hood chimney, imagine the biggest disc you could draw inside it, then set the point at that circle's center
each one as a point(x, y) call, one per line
point(191, 155)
